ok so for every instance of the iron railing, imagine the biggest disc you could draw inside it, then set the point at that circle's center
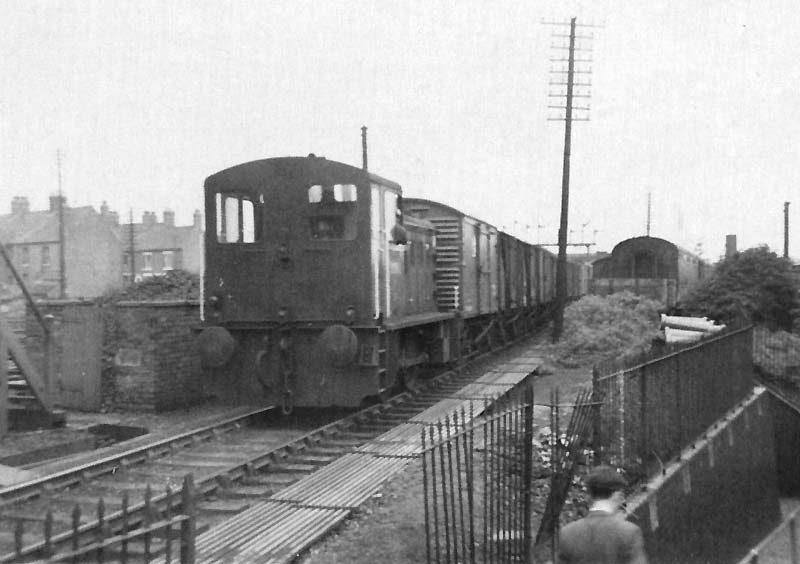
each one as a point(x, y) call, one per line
point(168, 534)
point(477, 484)
point(650, 412)
point(565, 454)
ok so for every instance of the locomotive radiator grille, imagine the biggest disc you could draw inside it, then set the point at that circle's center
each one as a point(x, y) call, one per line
point(448, 262)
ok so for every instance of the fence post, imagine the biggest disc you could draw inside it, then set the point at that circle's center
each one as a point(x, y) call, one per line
point(3, 385)
point(678, 402)
point(643, 414)
point(19, 533)
point(76, 525)
point(188, 526)
point(101, 528)
point(793, 540)
point(526, 477)
point(596, 423)
point(424, 456)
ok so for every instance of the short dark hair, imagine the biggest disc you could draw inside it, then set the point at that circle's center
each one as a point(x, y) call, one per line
point(603, 481)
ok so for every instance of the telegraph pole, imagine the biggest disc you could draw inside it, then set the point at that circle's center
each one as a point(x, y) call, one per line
point(570, 94)
point(364, 147)
point(786, 230)
point(62, 281)
point(649, 194)
point(132, 248)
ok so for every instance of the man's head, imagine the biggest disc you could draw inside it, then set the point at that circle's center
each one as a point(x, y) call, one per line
point(604, 482)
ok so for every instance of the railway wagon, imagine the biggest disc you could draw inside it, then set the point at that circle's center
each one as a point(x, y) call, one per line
point(486, 275)
point(323, 287)
point(649, 266)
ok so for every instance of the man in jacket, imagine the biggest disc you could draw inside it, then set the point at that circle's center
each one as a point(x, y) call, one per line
point(603, 536)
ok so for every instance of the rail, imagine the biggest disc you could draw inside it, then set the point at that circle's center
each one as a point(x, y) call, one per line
point(773, 548)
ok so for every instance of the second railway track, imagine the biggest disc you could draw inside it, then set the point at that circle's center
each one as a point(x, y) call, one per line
point(234, 464)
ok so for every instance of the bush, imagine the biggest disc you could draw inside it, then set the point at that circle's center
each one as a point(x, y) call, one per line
point(754, 286)
point(598, 328)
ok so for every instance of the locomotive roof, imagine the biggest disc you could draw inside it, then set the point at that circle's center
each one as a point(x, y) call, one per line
point(310, 160)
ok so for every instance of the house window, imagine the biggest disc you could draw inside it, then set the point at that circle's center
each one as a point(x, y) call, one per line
point(26, 256)
point(45, 257)
point(169, 260)
point(148, 261)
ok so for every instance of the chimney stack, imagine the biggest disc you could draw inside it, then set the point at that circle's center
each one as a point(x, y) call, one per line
point(730, 245)
point(169, 218)
point(54, 202)
point(148, 219)
point(198, 219)
point(20, 205)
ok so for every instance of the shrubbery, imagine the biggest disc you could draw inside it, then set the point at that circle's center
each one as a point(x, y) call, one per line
point(754, 286)
point(598, 328)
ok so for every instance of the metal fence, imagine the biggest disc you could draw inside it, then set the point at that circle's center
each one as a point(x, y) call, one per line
point(780, 547)
point(167, 534)
point(477, 484)
point(565, 454)
point(652, 411)
point(777, 353)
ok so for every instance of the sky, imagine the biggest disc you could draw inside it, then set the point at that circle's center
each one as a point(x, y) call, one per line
point(693, 103)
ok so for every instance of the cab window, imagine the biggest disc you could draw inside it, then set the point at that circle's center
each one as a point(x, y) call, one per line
point(331, 193)
point(238, 218)
point(332, 212)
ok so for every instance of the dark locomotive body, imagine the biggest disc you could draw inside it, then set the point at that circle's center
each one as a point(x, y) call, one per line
point(323, 287)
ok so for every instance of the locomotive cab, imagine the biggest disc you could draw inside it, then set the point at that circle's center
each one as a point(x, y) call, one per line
point(304, 258)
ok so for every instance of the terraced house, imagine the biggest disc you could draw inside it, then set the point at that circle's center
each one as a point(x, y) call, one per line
point(97, 249)
point(91, 248)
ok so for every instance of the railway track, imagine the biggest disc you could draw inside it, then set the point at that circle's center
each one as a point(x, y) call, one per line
point(234, 465)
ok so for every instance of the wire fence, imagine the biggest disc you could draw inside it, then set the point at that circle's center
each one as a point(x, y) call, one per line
point(650, 412)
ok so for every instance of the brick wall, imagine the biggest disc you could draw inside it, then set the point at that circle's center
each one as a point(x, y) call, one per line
point(148, 353)
point(721, 499)
point(156, 362)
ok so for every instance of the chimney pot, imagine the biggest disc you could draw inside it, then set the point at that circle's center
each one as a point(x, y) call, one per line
point(54, 202)
point(730, 245)
point(169, 218)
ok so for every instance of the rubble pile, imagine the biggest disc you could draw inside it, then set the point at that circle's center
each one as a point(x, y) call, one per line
point(175, 285)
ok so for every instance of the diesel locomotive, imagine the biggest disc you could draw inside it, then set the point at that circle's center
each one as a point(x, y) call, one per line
point(324, 287)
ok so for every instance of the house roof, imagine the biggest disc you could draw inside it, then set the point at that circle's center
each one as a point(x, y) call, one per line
point(42, 226)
